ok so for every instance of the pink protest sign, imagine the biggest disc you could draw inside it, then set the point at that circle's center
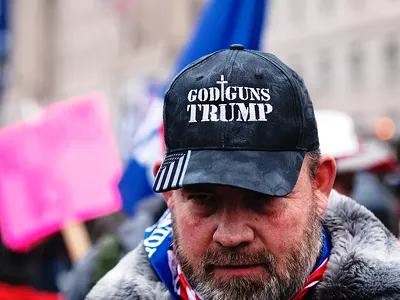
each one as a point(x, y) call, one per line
point(62, 168)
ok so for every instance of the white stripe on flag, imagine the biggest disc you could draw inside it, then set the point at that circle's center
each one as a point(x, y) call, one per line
point(312, 284)
point(178, 171)
point(191, 294)
point(170, 169)
point(184, 168)
point(160, 178)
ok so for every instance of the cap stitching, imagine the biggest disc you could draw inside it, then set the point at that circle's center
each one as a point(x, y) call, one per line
point(223, 126)
point(232, 58)
point(235, 149)
point(291, 84)
point(192, 65)
point(300, 90)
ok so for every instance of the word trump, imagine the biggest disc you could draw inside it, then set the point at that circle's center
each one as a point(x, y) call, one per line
point(252, 109)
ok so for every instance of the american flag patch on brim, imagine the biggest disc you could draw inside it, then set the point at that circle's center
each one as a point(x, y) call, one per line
point(172, 172)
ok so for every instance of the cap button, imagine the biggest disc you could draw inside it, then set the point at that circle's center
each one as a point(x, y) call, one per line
point(236, 47)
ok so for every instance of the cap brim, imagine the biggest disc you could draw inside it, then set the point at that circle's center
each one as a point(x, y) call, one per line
point(271, 173)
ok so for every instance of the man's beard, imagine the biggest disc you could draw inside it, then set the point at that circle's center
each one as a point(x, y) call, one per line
point(275, 283)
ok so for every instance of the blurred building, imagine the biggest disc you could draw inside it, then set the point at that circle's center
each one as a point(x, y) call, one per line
point(68, 48)
point(348, 52)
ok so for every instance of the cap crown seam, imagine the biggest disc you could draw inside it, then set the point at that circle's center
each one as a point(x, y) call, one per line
point(231, 61)
point(186, 69)
point(223, 127)
point(294, 94)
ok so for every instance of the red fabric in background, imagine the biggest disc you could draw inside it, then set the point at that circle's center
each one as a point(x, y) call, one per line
point(162, 136)
point(11, 292)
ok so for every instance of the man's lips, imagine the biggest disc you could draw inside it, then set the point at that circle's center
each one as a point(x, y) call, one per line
point(238, 270)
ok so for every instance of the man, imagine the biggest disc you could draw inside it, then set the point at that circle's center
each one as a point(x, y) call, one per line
point(247, 192)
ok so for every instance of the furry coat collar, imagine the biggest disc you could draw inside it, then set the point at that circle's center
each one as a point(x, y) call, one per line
point(364, 262)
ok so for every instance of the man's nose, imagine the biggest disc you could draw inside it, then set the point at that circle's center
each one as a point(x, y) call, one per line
point(232, 231)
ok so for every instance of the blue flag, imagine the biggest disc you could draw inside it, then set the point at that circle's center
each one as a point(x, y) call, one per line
point(4, 28)
point(221, 24)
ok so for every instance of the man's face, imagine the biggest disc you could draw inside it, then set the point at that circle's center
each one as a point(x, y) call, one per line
point(236, 244)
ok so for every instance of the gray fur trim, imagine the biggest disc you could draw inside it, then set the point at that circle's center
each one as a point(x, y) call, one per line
point(365, 258)
point(132, 278)
point(364, 262)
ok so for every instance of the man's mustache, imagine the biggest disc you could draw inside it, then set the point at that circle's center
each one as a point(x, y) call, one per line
point(225, 257)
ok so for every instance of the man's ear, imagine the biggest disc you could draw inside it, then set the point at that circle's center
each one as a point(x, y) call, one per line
point(166, 195)
point(324, 179)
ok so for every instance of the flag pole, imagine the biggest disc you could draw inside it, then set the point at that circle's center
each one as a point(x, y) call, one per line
point(77, 240)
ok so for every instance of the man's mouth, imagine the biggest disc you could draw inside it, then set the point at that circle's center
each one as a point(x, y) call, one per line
point(238, 270)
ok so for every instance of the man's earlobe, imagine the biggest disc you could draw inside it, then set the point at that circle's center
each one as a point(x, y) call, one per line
point(324, 179)
point(156, 167)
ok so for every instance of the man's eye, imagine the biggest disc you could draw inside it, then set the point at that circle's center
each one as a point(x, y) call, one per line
point(203, 199)
point(261, 203)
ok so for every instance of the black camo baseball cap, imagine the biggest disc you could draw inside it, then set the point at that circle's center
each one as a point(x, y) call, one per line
point(239, 118)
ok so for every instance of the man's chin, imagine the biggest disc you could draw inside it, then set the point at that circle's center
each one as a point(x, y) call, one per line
point(239, 279)
point(221, 285)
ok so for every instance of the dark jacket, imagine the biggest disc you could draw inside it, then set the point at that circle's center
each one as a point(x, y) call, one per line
point(364, 262)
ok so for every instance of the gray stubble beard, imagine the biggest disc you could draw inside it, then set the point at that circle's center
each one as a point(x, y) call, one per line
point(300, 262)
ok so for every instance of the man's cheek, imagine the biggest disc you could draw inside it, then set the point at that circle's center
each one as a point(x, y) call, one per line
point(193, 238)
point(188, 220)
point(283, 233)
point(286, 222)
point(192, 246)
point(294, 222)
